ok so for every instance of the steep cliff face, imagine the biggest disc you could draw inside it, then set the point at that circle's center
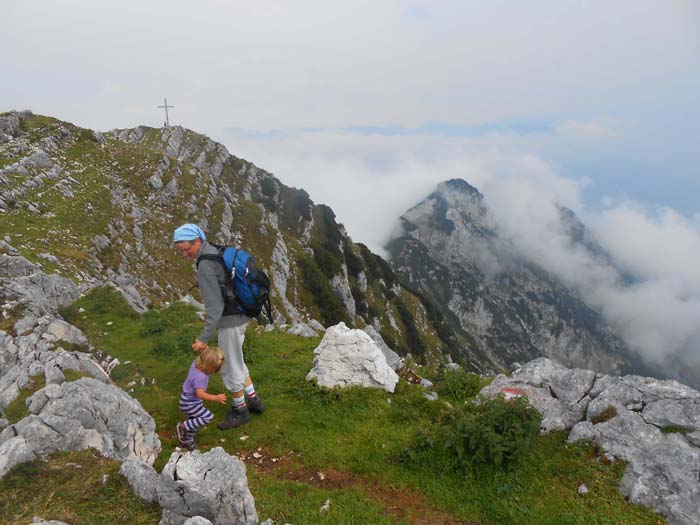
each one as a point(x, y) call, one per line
point(98, 207)
point(501, 307)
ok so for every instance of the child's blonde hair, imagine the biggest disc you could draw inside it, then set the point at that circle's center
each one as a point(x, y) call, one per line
point(210, 359)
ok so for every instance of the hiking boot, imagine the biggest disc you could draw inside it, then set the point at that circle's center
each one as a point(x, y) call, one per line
point(255, 404)
point(182, 437)
point(235, 418)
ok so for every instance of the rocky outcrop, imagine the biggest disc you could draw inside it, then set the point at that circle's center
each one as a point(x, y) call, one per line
point(211, 485)
point(24, 285)
point(77, 415)
point(302, 330)
point(560, 394)
point(51, 365)
point(394, 360)
point(142, 479)
point(348, 357)
point(652, 424)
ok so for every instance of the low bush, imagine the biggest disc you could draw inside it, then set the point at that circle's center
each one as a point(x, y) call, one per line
point(496, 432)
point(458, 385)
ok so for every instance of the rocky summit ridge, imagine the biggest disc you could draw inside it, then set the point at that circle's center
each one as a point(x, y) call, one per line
point(100, 208)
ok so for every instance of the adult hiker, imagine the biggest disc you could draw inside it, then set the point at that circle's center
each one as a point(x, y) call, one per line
point(225, 316)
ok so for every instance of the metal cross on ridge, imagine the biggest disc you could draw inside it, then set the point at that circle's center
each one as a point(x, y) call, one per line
point(165, 106)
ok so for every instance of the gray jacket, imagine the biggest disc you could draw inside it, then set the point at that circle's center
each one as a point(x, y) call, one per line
point(211, 276)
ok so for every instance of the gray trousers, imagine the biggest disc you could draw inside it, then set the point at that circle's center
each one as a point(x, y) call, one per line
point(231, 336)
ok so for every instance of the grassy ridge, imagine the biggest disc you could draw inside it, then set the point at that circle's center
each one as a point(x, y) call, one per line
point(314, 445)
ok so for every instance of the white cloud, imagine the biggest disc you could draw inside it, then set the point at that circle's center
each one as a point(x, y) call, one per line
point(370, 180)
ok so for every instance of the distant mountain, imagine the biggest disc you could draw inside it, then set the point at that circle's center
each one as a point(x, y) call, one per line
point(99, 207)
point(500, 307)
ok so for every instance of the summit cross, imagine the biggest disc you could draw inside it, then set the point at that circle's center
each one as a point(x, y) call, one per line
point(165, 106)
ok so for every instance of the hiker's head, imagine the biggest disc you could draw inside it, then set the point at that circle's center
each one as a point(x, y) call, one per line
point(210, 360)
point(188, 239)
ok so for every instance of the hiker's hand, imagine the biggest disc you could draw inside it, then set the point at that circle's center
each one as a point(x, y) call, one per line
point(221, 398)
point(198, 346)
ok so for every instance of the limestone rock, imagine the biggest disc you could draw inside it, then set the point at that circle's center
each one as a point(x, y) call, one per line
point(302, 330)
point(393, 359)
point(314, 324)
point(25, 282)
point(211, 485)
point(198, 520)
point(13, 452)
point(39, 360)
point(348, 357)
point(663, 466)
point(85, 414)
point(142, 479)
point(560, 394)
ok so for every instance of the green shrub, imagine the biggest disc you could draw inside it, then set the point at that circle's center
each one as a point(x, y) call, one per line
point(496, 432)
point(458, 385)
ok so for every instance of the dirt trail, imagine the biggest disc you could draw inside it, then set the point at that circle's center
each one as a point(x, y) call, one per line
point(400, 502)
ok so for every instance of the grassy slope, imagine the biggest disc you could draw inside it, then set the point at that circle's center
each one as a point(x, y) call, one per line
point(311, 445)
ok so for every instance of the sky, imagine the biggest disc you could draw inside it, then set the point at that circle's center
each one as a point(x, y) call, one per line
point(368, 105)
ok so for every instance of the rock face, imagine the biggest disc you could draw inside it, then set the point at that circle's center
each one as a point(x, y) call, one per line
point(78, 415)
point(350, 357)
point(212, 485)
point(51, 364)
point(23, 284)
point(500, 307)
point(652, 424)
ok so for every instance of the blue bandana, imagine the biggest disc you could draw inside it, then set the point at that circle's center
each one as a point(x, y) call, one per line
point(188, 232)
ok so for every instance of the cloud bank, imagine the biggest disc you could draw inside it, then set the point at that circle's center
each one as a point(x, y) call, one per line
point(370, 179)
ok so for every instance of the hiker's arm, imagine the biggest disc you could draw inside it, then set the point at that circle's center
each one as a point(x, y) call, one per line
point(211, 296)
point(202, 394)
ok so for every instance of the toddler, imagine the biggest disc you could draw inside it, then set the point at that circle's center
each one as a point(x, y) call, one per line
point(194, 391)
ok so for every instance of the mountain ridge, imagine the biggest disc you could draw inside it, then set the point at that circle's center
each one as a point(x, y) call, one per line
point(136, 185)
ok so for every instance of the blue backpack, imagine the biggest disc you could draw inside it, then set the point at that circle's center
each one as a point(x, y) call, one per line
point(248, 288)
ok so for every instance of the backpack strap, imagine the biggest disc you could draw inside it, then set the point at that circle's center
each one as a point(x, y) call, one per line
point(211, 257)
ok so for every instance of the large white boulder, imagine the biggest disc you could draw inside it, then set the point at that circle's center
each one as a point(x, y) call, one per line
point(348, 357)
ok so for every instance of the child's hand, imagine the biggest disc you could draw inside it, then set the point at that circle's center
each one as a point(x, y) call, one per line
point(221, 398)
